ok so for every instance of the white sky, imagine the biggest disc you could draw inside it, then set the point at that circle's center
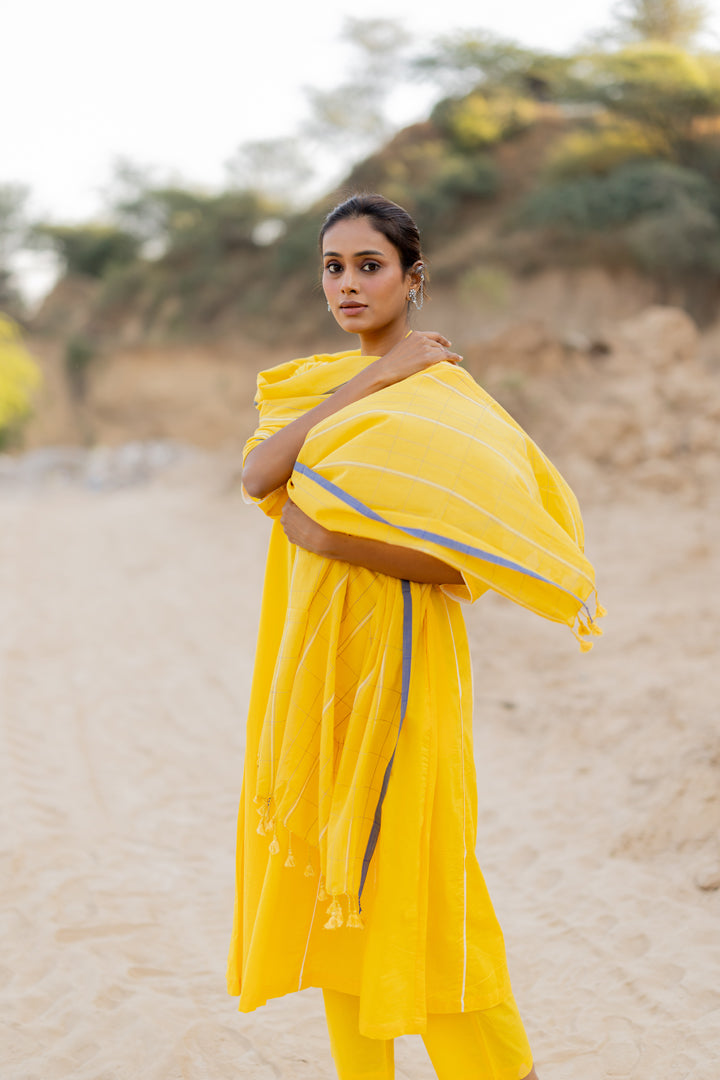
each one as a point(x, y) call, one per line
point(179, 86)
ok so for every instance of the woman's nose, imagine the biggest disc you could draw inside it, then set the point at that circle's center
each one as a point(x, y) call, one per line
point(348, 282)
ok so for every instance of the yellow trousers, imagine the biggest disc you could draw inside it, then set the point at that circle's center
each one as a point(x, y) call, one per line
point(489, 1044)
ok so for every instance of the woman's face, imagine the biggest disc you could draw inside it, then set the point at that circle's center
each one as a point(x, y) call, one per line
point(363, 280)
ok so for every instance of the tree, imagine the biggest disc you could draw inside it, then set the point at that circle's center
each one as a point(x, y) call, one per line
point(13, 233)
point(475, 59)
point(277, 168)
point(129, 202)
point(89, 250)
point(357, 106)
point(658, 88)
point(676, 21)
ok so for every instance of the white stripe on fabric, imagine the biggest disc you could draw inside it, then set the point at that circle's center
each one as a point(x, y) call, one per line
point(273, 687)
point(476, 506)
point(435, 424)
point(307, 943)
point(517, 430)
point(462, 758)
point(378, 693)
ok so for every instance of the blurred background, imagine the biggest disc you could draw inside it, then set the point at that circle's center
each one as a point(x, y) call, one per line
point(164, 169)
point(165, 173)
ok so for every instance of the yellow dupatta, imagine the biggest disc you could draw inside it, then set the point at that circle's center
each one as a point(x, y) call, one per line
point(431, 463)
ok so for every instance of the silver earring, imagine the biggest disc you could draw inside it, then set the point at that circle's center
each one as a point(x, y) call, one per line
point(416, 296)
point(329, 308)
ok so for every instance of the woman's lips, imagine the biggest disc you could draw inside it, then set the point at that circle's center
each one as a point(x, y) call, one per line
point(352, 309)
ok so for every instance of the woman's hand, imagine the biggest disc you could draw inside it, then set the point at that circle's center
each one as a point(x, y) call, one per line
point(374, 555)
point(271, 463)
point(419, 350)
point(303, 531)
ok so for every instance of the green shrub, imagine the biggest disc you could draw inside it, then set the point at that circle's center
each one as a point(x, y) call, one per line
point(618, 198)
point(688, 239)
point(480, 120)
point(655, 85)
point(598, 150)
point(455, 178)
point(298, 247)
point(19, 380)
point(90, 250)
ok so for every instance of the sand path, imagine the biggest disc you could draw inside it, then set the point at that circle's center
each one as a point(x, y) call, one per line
point(127, 629)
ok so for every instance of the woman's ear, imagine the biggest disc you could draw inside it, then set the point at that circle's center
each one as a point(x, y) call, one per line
point(417, 279)
point(416, 274)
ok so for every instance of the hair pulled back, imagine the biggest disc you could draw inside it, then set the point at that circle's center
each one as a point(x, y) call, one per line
point(387, 217)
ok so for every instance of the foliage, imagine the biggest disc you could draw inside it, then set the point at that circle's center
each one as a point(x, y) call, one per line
point(655, 86)
point(428, 178)
point(277, 167)
point(600, 148)
point(19, 379)
point(13, 236)
point(686, 238)
point(298, 248)
point(669, 216)
point(615, 199)
point(479, 120)
point(179, 222)
point(88, 249)
point(13, 219)
point(469, 59)
point(356, 108)
point(676, 21)
point(455, 179)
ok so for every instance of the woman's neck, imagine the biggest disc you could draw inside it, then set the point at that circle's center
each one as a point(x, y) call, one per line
point(382, 341)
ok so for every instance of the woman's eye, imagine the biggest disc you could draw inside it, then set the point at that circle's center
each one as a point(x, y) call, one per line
point(333, 267)
point(371, 266)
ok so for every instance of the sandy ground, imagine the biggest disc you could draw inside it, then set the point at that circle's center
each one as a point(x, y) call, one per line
point(127, 628)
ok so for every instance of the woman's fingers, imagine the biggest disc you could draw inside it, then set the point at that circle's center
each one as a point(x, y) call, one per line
point(434, 336)
point(440, 339)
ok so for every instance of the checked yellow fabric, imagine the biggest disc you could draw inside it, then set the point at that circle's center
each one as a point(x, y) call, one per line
point(361, 707)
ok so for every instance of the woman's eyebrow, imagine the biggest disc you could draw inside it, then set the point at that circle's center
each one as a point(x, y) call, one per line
point(357, 254)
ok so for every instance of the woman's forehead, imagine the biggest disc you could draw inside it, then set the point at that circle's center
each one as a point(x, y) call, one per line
point(355, 235)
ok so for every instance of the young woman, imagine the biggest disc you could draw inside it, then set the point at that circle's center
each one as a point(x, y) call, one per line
point(397, 487)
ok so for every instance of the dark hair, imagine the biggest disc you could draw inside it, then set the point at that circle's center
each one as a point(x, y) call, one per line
point(388, 218)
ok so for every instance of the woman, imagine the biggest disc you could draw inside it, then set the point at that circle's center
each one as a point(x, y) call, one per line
point(359, 745)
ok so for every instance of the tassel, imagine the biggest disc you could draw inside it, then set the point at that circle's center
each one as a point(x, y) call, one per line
point(290, 861)
point(336, 917)
point(599, 610)
point(583, 629)
point(274, 845)
point(354, 921)
point(595, 629)
point(585, 645)
point(309, 872)
point(322, 894)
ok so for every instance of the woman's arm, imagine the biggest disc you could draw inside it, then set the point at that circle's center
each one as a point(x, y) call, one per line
point(270, 464)
point(375, 555)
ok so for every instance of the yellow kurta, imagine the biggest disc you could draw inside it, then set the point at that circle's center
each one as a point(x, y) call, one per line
point(430, 940)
